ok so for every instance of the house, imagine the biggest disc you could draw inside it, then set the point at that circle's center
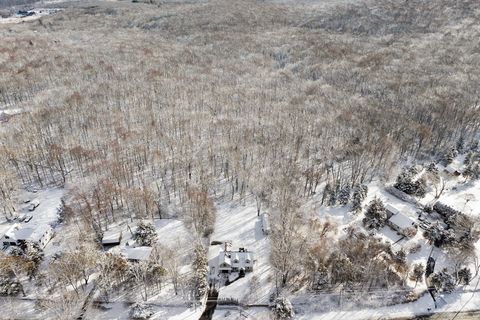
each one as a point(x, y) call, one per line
point(111, 239)
point(391, 210)
point(17, 235)
point(265, 223)
point(224, 262)
point(402, 224)
point(137, 254)
point(454, 169)
point(240, 260)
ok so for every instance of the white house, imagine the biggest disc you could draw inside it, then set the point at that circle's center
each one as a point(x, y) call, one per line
point(402, 224)
point(235, 261)
point(17, 234)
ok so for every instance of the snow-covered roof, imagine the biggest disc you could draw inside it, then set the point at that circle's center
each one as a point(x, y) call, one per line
point(10, 233)
point(137, 254)
point(111, 237)
point(16, 232)
point(223, 258)
point(453, 167)
point(23, 234)
point(238, 259)
point(392, 209)
point(402, 221)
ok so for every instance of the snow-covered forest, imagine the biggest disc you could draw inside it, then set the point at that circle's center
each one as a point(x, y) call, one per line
point(205, 159)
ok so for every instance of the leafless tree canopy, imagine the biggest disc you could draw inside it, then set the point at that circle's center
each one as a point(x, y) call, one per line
point(160, 108)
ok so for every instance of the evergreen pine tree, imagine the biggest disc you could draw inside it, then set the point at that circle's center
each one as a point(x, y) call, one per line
point(376, 215)
point(283, 309)
point(145, 234)
point(449, 156)
point(200, 270)
point(464, 276)
point(344, 195)
point(359, 196)
point(432, 167)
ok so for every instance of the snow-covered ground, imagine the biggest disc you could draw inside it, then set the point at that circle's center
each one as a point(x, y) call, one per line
point(466, 198)
point(49, 201)
point(47, 210)
point(16, 18)
point(120, 311)
point(242, 226)
point(171, 234)
point(458, 194)
point(464, 301)
point(254, 313)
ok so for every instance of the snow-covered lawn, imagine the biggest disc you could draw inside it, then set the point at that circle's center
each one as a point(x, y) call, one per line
point(242, 226)
point(464, 301)
point(171, 233)
point(466, 198)
point(230, 313)
point(120, 310)
point(47, 210)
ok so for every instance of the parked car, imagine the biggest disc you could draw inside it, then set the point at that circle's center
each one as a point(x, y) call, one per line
point(28, 218)
point(424, 225)
point(33, 204)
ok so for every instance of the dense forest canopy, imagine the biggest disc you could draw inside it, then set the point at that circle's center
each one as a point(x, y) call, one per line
point(157, 109)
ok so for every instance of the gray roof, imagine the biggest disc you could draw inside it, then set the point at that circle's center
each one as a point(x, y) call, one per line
point(237, 259)
point(392, 209)
point(453, 167)
point(28, 233)
point(110, 237)
point(402, 221)
point(138, 253)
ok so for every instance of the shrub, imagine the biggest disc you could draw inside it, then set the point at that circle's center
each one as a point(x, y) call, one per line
point(283, 309)
point(140, 311)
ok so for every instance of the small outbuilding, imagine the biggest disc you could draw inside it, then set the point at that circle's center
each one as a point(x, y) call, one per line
point(137, 254)
point(111, 239)
point(454, 169)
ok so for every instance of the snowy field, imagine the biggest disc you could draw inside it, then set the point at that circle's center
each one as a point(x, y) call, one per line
point(466, 198)
point(464, 301)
